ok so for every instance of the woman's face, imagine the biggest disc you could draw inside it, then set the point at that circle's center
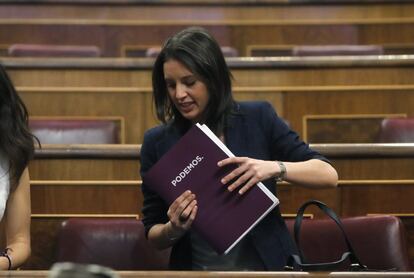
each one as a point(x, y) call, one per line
point(189, 94)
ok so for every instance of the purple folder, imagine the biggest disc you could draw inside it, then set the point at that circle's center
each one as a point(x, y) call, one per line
point(223, 217)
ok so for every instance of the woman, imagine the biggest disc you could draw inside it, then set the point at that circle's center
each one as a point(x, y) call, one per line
point(192, 83)
point(16, 149)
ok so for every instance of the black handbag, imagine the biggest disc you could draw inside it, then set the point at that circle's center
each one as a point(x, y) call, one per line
point(298, 261)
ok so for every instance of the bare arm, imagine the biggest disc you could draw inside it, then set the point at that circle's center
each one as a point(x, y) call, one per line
point(18, 224)
point(310, 173)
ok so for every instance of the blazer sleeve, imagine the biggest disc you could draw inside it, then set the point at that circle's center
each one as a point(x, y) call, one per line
point(154, 208)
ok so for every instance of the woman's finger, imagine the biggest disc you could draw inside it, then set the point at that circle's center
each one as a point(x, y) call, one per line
point(191, 218)
point(179, 205)
point(187, 211)
point(239, 181)
point(233, 174)
point(252, 182)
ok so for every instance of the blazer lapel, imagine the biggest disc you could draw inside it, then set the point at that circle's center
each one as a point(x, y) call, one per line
point(171, 136)
point(236, 135)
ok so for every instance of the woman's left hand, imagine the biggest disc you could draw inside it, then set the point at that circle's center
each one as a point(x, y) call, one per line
point(249, 172)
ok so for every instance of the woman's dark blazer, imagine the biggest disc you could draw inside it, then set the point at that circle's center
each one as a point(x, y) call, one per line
point(255, 131)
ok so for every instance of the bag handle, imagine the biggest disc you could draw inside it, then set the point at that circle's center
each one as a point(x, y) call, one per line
point(355, 262)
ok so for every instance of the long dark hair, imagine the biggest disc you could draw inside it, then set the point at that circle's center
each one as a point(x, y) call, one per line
point(196, 49)
point(16, 141)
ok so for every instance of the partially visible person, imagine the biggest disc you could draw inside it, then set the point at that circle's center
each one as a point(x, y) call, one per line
point(75, 270)
point(16, 149)
point(192, 83)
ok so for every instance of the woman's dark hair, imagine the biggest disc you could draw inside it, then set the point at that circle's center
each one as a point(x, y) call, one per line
point(197, 50)
point(16, 141)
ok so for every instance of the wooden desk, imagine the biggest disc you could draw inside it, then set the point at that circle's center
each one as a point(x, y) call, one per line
point(357, 87)
point(86, 162)
point(121, 27)
point(363, 168)
point(193, 274)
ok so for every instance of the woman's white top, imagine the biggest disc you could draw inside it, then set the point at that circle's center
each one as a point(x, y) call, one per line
point(4, 185)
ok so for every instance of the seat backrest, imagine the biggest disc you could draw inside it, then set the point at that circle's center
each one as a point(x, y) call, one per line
point(333, 50)
point(118, 243)
point(48, 50)
point(397, 130)
point(229, 51)
point(76, 131)
point(378, 241)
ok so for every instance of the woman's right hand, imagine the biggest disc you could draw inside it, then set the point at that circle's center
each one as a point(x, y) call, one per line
point(181, 213)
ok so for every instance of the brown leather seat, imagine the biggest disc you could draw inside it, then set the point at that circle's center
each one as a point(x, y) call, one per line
point(334, 50)
point(68, 131)
point(397, 130)
point(229, 51)
point(47, 50)
point(118, 243)
point(378, 241)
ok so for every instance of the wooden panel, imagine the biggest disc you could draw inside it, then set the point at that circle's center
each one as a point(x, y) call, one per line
point(136, 50)
point(362, 102)
point(275, 97)
point(125, 103)
point(292, 197)
point(269, 50)
point(350, 128)
point(299, 76)
point(353, 198)
point(84, 169)
point(368, 197)
point(302, 73)
point(279, 72)
point(86, 197)
point(4, 50)
point(374, 168)
point(135, 105)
